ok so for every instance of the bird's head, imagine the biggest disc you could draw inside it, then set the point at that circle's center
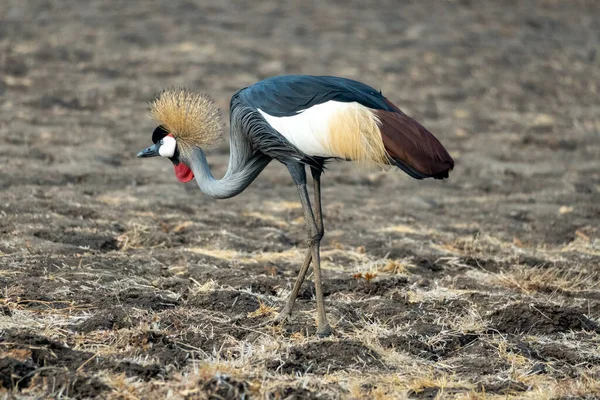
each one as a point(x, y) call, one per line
point(187, 120)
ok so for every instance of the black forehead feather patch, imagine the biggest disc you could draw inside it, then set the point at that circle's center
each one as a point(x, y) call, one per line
point(159, 133)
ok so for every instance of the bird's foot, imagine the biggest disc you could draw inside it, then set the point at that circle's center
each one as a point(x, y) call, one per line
point(324, 331)
point(284, 316)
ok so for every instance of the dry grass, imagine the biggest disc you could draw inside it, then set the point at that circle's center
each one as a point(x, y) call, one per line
point(226, 356)
point(396, 266)
point(262, 311)
point(548, 279)
point(140, 235)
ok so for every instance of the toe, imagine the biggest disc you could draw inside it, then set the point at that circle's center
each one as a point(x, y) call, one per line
point(324, 331)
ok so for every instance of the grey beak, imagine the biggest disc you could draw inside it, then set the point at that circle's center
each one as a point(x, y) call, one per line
point(151, 151)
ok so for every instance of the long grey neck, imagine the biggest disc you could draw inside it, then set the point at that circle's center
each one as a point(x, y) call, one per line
point(241, 172)
point(240, 149)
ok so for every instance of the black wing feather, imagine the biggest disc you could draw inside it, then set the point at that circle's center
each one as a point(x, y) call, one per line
point(283, 96)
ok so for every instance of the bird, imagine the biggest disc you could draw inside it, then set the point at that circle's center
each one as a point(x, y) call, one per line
point(304, 122)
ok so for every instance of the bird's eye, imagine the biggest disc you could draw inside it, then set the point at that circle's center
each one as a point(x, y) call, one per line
point(161, 142)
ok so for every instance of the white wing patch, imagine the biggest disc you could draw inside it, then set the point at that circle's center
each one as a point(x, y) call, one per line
point(348, 131)
point(309, 129)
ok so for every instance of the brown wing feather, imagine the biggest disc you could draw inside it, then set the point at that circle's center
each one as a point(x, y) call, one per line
point(413, 147)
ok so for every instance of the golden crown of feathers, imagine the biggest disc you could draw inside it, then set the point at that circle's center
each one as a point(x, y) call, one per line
point(192, 118)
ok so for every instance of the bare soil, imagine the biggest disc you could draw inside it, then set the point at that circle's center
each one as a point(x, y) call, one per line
point(117, 281)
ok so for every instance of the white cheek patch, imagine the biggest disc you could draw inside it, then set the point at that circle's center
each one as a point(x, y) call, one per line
point(167, 149)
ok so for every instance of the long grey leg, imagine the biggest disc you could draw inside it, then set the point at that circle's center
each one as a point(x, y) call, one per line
point(314, 240)
point(287, 309)
point(323, 328)
point(316, 174)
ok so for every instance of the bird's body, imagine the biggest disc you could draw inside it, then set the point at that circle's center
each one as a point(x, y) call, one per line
point(331, 117)
point(300, 121)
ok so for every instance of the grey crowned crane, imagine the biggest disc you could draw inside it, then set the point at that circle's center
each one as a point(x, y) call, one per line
point(301, 121)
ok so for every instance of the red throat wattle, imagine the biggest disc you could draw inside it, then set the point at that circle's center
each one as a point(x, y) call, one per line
point(183, 173)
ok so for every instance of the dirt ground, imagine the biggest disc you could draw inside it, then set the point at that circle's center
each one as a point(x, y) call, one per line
point(119, 282)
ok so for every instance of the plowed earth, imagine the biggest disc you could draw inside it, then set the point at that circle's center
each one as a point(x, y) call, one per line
point(117, 281)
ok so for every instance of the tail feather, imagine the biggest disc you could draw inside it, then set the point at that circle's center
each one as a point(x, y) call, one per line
point(412, 147)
